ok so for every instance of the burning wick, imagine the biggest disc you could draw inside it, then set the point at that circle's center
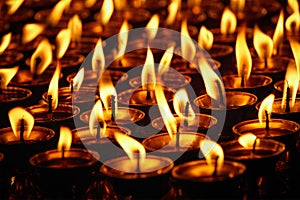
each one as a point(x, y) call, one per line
point(71, 86)
point(22, 129)
point(267, 120)
point(120, 62)
point(221, 94)
point(216, 166)
point(177, 144)
point(37, 62)
point(266, 62)
point(148, 95)
point(243, 82)
point(50, 106)
point(63, 152)
point(113, 107)
point(188, 65)
point(99, 127)
point(138, 165)
point(254, 146)
point(287, 100)
point(186, 122)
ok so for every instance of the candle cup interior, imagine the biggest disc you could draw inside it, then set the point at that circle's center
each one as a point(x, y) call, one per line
point(127, 62)
point(14, 94)
point(220, 51)
point(279, 86)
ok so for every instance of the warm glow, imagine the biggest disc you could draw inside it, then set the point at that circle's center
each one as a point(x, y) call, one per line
point(106, 12)
point(6, 74)
point(98, 59)
point(187, 45)
point(62, 41)
point(180, 102)
point(228, 22)
point(57, 12)
point(107, 90)
point(292, 23)
point(266, 105)
point(5, 42)
point(65, 139)
point(89, 3)
point(96, 117)
point(243, 56)
point(31, 31)
point(247, 140)
point(167, 116)
point(237, 5)
point(78, 79)
point(131, 146)
point(120, 4)
point(263, 44)
point(152, 26)
point(172, 10)
point(75, 25)
point(291, 81)
point(205, 38)
point(122, 39)
point(293, 4)
point(192, 3)
point(44, 54)
point(15, 116)
point(212, 151)
point(53, 86)
point(278, 34)
point(13, 5)
point(148, 79)
point(165, 61)
point(295, 46)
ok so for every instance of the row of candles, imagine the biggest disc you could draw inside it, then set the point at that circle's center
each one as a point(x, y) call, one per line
point(114, 113)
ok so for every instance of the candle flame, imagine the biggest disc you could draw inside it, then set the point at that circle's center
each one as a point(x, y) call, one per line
point(44, 53)
point(62, 41)
point(263, 44)
point(212, 151)
point(237, 5)
point(291, 81)
point(148, 79)
point(187, 45)
point(5, 42)
point(57, 12)
point(15, 116)
point(120, 4)
point(65, 138)
point(181, 100)
point(293, 4)
point(122, 39)
point(278, 34)
point(228, 22)
point(165, 61)
point(243, 56)
point(205, 38)
point(75, 25)
point(31, 31)
point(107, 90)
point(266, 105)
point(89, 3)
point(292, 23)
point(172, 10)
point(78, 79)
point(106, 12)
point(6, 74)
point(53, 86)
point(96, 116)
point(98, 59)
point(247, 140)
point(13, 5)
point(152, 26)
point(164, 109)
point(295, 46)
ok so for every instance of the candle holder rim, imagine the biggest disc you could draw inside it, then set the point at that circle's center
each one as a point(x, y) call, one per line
point(278, 85)
point(27, 92)
point(281, 68)
point(275, 100)
point(266, 79)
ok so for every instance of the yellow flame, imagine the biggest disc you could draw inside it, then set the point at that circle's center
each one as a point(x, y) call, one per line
point(106, 12)
point(44, 53)
point(167, 116)
point(243, 56)
point(237, 5)
point(266, 105)
point(53, 86)
point(122, 39)
point(292, 23)
point(6, 74)
point(15, 116)
point(247, 140)
point(295, 46)
point(89, 3)
point(173, 8)
point(5, 42)
point(31, 31)
point(291, 81)
point(107, 90)
point(62, 41)
point(293, 4)
point(278, 34)
point(97, 116)
point(187, 45)
point(75, 25)
point(98, 59)
point(263, 44)
point(120, 4)
point(165, 61)
point(65, 138)
point(57, 12)
point(152, 26)
point(212, 151)
point(13, 5)
point(131, 146)
point(148, 79)
point(180, 101)
point(78, 79)
point(228, 22)
point(205, 38)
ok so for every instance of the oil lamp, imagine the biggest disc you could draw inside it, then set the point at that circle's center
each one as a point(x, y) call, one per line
point(64, 171)
point(140, 175)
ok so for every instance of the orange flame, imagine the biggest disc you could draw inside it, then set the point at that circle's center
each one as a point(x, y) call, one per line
point(31, 31)
point(122, 39)
point(292, 23)
point(65, 139)
point(291, 81)
point(97, 116)
point(53, 86)
point(152, 26)
point(266, 105)
point(13, 5)
point(62, 41)
point(120, 4)
point(106, 12)
point(205, 38)
point(243, 56)
point(57, 12)
point(295, 46)
point(6, 74)
point(75, 25)
point(293, 4)
point(15, 116)
point(107, 91)
point(228, 22)
point(212, 151)
point(148, 79)
point(278, 34)
point(89, 3)
point(78, 79)
point(44, 53)
point(5, 42)
point(187, 45)
point(181, 100)
point(166, 60)
point(248, 140)
point(173, 8)
point(263, 44)
point(98, 59)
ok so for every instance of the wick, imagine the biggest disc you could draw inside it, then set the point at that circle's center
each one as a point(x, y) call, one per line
point(120, 62)
point(50, 114)
point(113, 107)
point(177, 144)
point(254, 146)
point(188, 65)
point(267, 121)
point(63, 152)
point(99, 127)
point(37, 62)
point(266, 62)
point(242, 81)
point(216, 166)
point(148, 95)
point(138, 165)
point(22, 130)
point(287, 100)
point(221, 93)
point(71, 86)
point(186, 122)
